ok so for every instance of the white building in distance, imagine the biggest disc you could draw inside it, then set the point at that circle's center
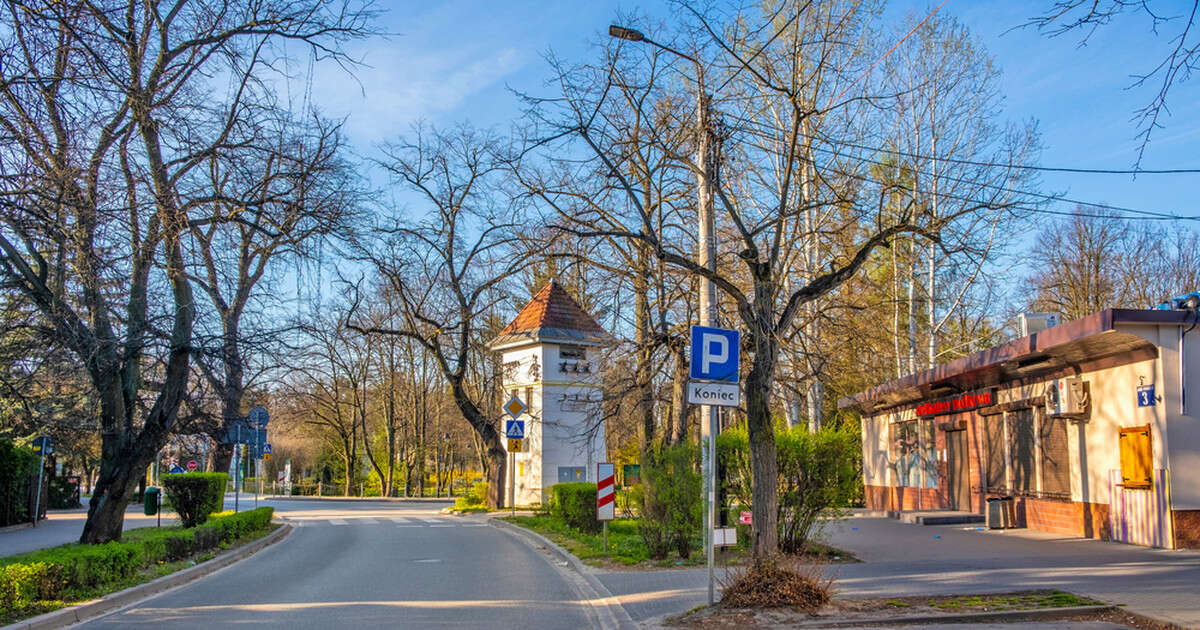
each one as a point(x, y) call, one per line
point(550, 354)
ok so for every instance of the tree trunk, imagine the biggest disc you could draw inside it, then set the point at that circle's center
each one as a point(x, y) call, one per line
point(760, 426)
point(679, 404)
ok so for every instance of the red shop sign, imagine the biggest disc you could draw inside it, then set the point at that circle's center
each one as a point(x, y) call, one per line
point(964, 402)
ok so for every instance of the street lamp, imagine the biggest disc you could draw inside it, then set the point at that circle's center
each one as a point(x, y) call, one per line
point(706, 258)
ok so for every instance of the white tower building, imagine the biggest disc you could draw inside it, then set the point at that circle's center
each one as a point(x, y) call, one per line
point(550, 353)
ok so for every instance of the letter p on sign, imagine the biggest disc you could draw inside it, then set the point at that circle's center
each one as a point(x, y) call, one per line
point(714, 354)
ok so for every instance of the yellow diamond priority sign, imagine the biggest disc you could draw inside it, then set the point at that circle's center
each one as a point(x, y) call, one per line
point(515, 407)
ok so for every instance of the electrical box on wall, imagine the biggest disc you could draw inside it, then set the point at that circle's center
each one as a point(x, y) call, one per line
point(1066, 397)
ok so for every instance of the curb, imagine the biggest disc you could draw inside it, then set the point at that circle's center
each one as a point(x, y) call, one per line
point(599, 596)
point(13, 528)
point(113, 601)
point(270, 497)
point(1004, 616)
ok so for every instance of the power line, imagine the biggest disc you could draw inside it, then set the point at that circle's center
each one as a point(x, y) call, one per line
point(1144, 214)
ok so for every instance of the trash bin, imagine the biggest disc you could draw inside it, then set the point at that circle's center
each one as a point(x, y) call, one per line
point(1000, 513)
point(150, 499)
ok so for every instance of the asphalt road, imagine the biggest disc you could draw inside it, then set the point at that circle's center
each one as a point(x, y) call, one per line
point(364, 565)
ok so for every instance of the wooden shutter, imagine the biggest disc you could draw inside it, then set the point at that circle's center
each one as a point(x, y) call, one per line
point(994, 431)
point(1136, 456)
point(1056, 456)
point(1021, 449)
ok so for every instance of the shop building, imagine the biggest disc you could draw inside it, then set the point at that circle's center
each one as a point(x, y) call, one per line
point(1090, 428)
point(550, 356)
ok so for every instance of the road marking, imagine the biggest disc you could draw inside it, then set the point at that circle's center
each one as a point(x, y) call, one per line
point(432, 520)
point(366, 521)
point(401, 520)
point(337, 521)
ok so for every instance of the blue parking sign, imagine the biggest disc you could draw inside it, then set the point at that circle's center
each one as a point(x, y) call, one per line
point(715, 354)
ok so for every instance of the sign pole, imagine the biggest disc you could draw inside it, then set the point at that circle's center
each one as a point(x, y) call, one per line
point(37, 501)
point(512, 485)
point(237, 470)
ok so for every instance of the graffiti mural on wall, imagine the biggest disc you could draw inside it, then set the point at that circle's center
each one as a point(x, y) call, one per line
point(911, 454)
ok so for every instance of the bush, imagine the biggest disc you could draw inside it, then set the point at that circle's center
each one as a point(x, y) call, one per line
point(474, 499)
point(671, 503)
point(64, 494)
point(76, 571)
point(819, 475)
point(195, 495)
point(575, 504)
point(17, 465)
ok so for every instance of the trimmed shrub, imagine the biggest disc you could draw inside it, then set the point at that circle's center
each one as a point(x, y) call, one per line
point(73, 572)
point(194, 496)
point(671, 503)
point(575, 504)
point(17, 465)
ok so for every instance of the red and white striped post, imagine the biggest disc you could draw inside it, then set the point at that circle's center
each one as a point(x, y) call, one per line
point(606, 496)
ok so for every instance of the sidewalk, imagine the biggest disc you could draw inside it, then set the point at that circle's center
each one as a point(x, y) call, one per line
point(901, 559)
point(65, 526)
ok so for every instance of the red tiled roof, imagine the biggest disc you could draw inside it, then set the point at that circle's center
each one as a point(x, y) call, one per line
point(552, 308)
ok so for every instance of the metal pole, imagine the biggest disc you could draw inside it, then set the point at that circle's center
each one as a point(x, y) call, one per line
point(605, 524)
point(512, 485)
point(237, 470)
point(37, 500)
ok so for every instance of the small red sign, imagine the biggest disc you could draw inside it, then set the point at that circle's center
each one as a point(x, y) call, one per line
point(192, 465)
point(951, 405)
point(745, 517)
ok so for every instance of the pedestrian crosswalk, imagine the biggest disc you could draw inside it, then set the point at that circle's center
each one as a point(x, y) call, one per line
point(397, 521)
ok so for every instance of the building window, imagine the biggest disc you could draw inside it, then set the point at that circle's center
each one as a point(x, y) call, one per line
point(993, 430)
point(1055, 456)
point(1022, 449)
point(1136, 456)
point(572, 352)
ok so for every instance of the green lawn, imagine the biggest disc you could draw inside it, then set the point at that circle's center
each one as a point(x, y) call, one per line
point(625, 546)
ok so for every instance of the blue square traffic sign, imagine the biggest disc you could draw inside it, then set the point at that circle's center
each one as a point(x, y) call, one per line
point(714, 354)
point(514, 429)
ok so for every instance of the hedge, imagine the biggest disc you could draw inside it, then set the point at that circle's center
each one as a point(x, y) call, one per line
point(575, 504)
point(73, 572)
point(17, 465)
point(194, 496)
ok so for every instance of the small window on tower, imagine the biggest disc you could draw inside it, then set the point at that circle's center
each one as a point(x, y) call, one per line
point(572, 352)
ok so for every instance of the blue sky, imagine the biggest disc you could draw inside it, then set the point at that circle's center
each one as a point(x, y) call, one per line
point(455, 61)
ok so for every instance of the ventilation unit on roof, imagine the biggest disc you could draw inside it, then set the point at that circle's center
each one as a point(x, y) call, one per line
point(1185, 302)
point(1037, 322)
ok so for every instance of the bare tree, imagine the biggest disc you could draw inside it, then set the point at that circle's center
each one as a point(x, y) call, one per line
point(1176, 22)
point(782, 75)
point(285, 187)
point(108, 113)
point(447, 269)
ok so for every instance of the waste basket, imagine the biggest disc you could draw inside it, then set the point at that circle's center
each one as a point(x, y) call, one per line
point(150, 498)
point(1000, 513)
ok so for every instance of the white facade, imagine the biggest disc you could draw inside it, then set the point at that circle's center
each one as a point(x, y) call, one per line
point(564, 428)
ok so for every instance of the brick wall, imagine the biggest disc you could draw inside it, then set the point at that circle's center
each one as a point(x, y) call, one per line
point(890, 498)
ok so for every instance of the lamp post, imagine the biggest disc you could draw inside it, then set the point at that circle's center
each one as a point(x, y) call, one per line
point(706, 258)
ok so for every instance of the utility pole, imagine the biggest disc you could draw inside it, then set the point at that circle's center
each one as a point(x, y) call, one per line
point(705, 257)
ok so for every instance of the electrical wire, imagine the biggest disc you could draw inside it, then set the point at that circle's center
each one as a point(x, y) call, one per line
point(1143, 214)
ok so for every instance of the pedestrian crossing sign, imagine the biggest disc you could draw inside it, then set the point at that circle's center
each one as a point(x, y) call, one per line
point(514, 429)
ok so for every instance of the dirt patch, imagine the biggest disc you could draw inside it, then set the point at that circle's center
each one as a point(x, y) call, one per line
point(874, 609)
point(779, 582)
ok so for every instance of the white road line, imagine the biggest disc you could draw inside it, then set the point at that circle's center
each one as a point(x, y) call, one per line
point(365, 521)
point(337, 521)
point(401, 520)
point(435, 521)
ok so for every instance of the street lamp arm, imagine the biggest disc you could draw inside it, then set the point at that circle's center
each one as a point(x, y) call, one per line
point(634, 35)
